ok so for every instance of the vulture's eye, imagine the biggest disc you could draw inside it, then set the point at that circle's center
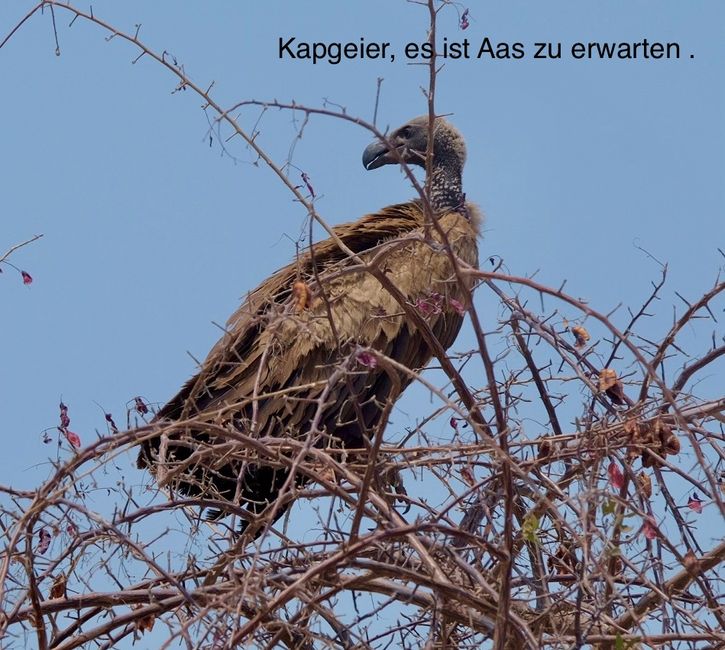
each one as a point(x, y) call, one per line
point(405, 132)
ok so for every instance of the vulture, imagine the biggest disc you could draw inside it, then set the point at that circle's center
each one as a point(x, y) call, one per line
point(304, 346)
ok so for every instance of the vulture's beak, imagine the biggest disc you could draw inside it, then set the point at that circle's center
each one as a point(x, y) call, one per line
point(376, 155)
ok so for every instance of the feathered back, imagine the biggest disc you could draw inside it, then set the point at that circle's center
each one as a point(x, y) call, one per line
point(271, 321)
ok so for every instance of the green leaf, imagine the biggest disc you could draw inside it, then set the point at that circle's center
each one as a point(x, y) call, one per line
point(530, 528)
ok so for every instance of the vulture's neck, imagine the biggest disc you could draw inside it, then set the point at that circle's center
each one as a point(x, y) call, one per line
point(446, 188)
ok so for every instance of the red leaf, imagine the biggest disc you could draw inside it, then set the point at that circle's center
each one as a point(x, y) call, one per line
point(366, 358)
point(27, 278)
point(649, 528)
point(695, 503)
point(454, 424)
point(616, 478)
point(44, 538)
point(73, 438)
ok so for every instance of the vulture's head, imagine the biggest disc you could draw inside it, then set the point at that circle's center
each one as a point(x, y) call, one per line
point(409, 144)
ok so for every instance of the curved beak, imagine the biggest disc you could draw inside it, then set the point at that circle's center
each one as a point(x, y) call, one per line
point(376, 155)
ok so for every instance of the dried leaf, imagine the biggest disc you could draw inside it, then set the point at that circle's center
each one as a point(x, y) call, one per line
point(545, 448)
point(672, 446)
point(27, 278)
point(302, 296)
point(648, 460)
point(632, 428)
point(645, 484)
point(692, 564)
point(109, 419)
point(637, 433)
point(616, 565)
point(670, 441)
point(467, 475)
point(464, 22)
point(395, 480)
point(58, 590)
point(308, 184)
point(140, 406)
point(145, 624)
point(610, 384)
point(64, 419)
point(564, 560)
point(324, 473)
point(581, 336)
point(607, 379)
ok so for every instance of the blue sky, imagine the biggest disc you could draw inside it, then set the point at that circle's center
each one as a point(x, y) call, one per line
point(150, 234)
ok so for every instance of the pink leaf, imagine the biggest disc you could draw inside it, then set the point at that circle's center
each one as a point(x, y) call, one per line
point(430, 304)
point(649, 528)
point(73, 438)
point(27, 278)
point(44, 538)
point(695, 503)
point(365, 358)
point(454, 424)
point(616, 478)
point(457, 306)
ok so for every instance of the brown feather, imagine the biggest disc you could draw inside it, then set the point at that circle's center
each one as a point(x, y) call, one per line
point(294, 332)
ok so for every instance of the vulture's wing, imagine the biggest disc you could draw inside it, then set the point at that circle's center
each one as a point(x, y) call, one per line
point(289, 363)
point(267, 324)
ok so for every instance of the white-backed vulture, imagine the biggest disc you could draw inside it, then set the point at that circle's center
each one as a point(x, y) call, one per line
point(284, 348)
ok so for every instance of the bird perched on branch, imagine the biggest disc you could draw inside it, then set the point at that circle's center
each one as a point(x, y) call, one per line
point(308, 353)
